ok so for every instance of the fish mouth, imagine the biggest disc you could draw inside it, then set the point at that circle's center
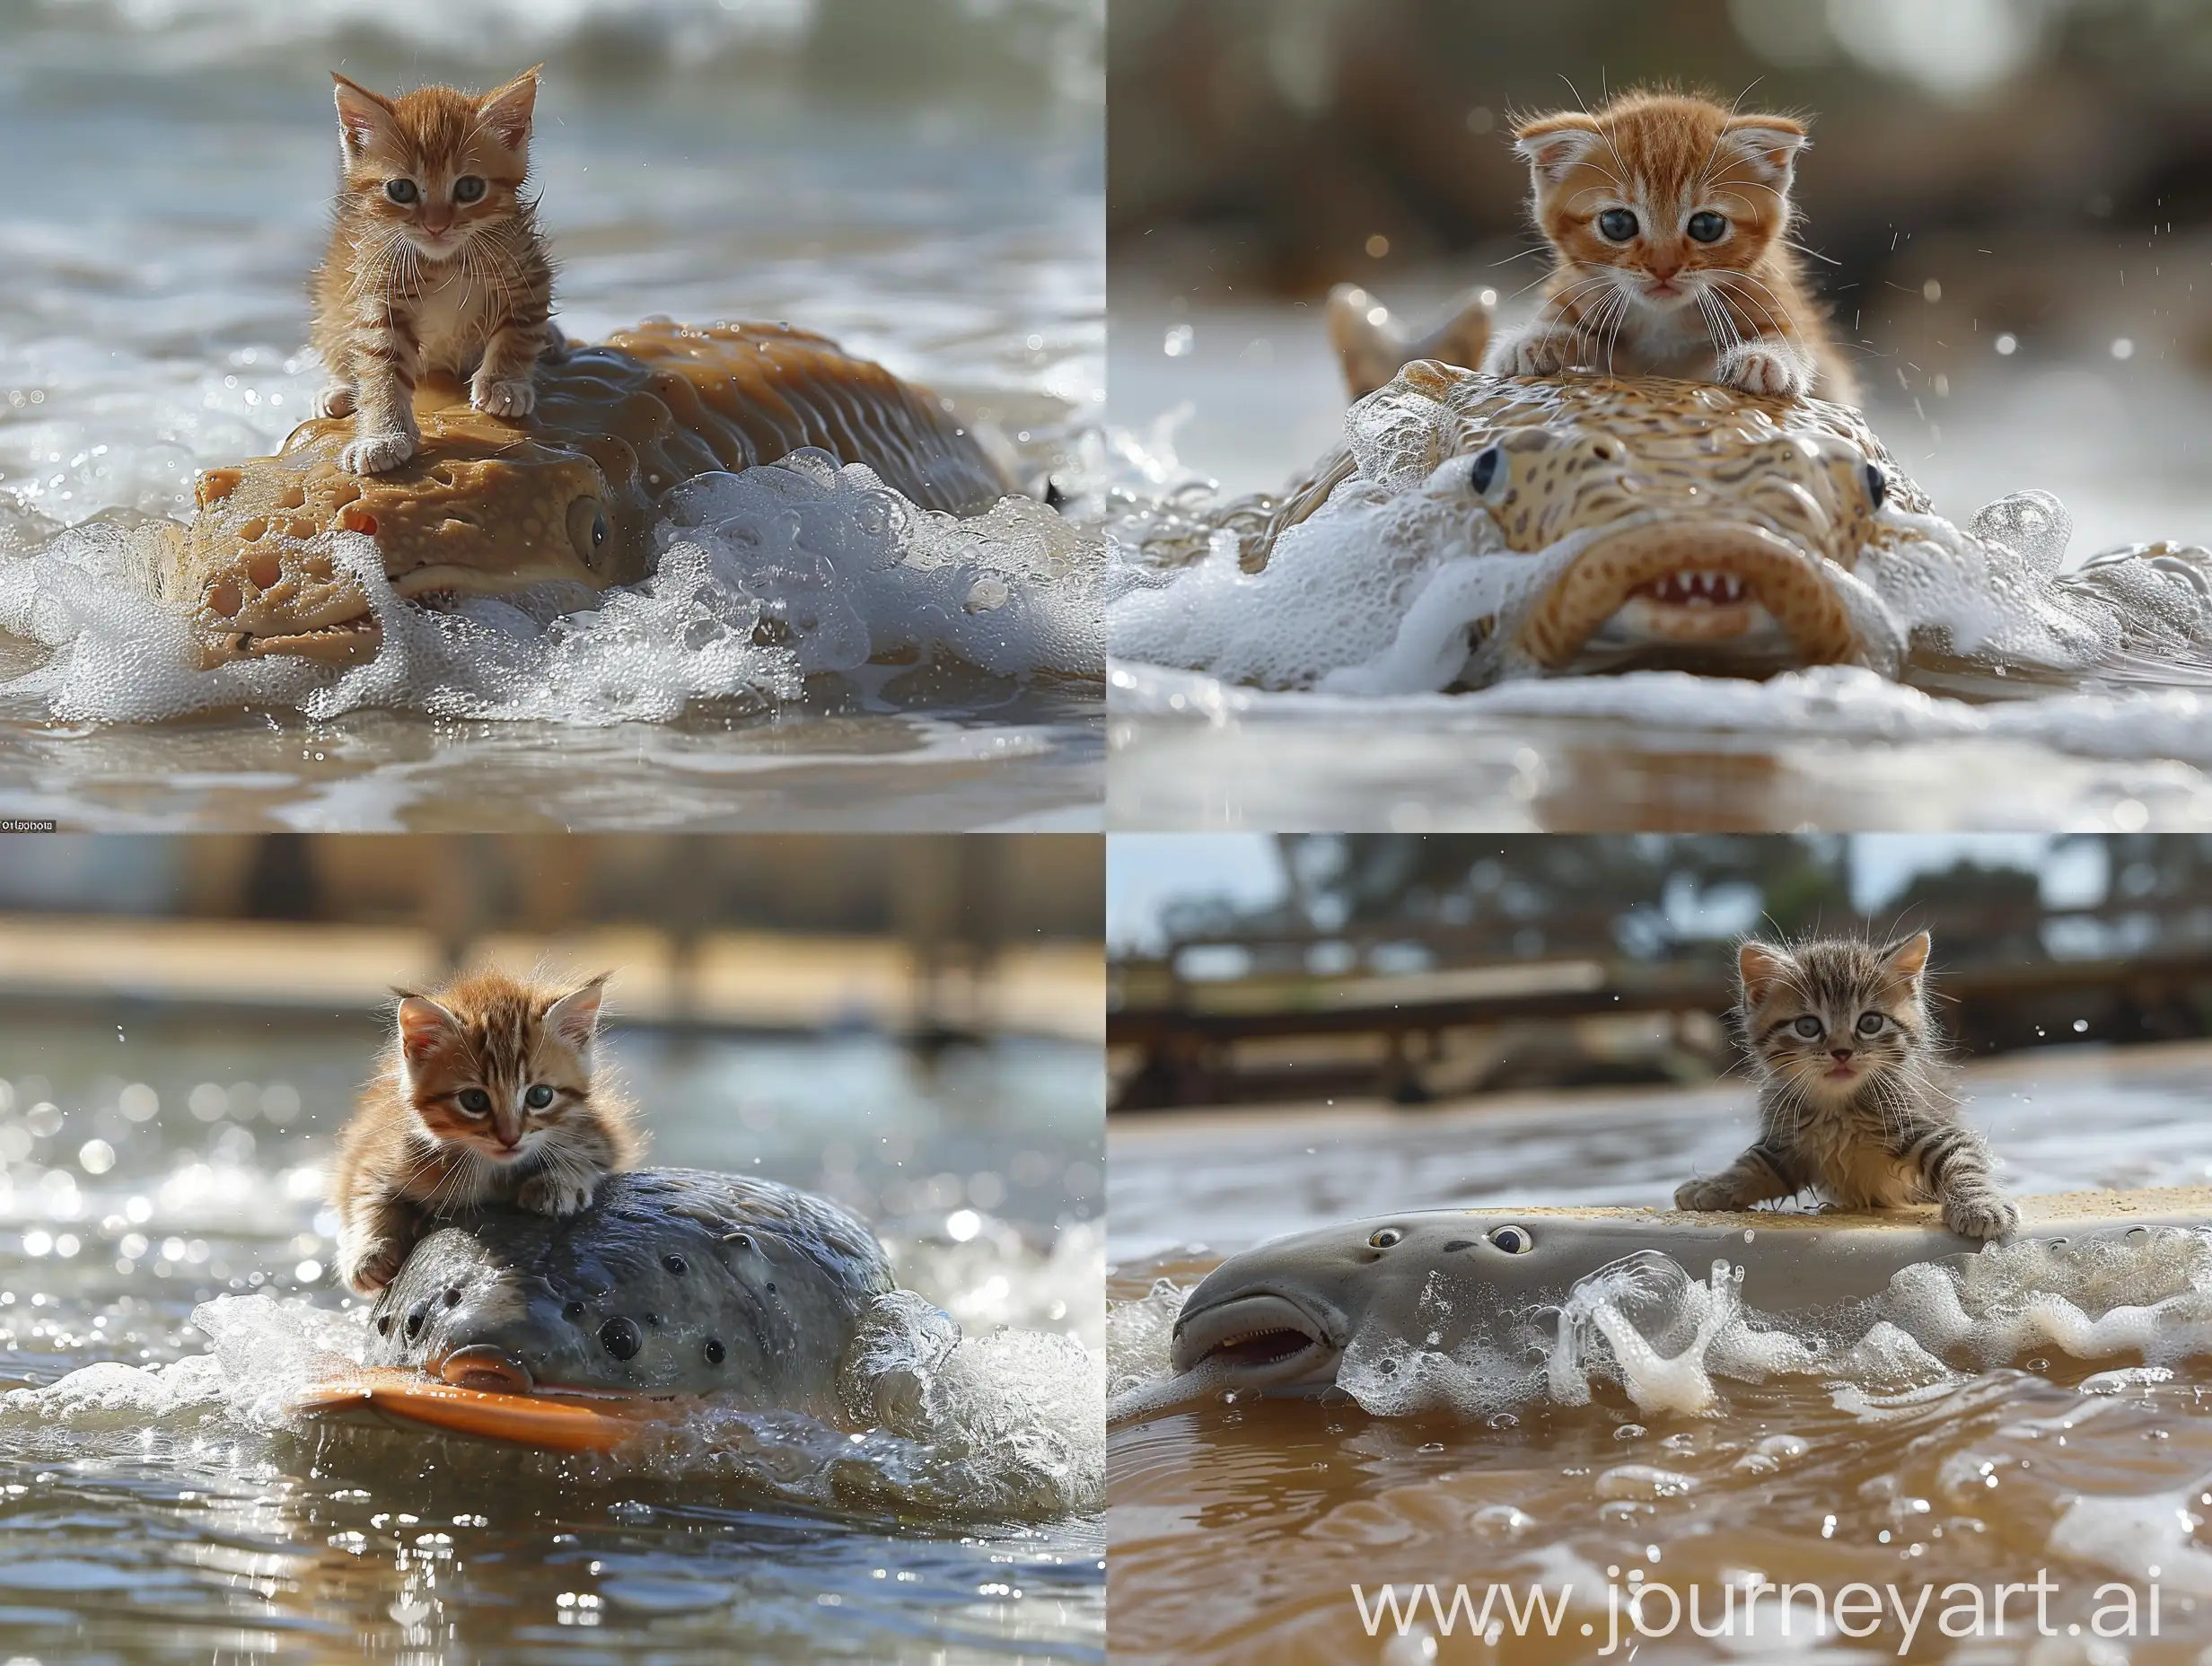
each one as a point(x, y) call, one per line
point(1263, 1338)
point(1694, 588)
point(350, 641)
point(482, 1365)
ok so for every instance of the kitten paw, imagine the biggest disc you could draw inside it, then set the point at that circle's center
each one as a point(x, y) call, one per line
point(551, 1194)
point(336, 401)
point(1703, 1195)
point(375, 1266)
point(1542, 356)
point(503, 399)
point(373, 453)
point(1763, 370)
point(1981, 1218)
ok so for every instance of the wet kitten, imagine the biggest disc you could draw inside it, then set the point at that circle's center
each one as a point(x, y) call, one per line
point(435, 262)
point(1668, 219)
point(485, 1094)
point(1851, 1097)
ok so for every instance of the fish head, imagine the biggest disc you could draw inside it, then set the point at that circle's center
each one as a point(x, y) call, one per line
point(1277, 1319)
point(485, 507)
point(628, 1296)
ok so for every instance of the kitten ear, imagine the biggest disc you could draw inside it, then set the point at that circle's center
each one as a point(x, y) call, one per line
point(508, 109)
point(1554, 145)
point(1907, 958)
point(363, 117)
point(424, 1027)
point(1761, 967)
point(574, 1017)
point(1766, 146)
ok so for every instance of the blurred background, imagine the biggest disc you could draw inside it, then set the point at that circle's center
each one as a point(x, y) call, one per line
point(909, 1025)
point(2010, 203)
point(1305, 1028)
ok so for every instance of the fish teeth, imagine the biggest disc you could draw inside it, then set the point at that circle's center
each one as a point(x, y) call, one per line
point(1700, 588)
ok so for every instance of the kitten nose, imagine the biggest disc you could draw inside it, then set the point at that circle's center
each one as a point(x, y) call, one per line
point(1840, 1053)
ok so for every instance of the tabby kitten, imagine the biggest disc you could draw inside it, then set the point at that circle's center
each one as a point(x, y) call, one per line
point(435, 262)
point(484, 1095)
point(1851, 1097)
point(1668, 219)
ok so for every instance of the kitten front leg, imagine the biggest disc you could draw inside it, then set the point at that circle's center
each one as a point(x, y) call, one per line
point(501, 384)
point(556, 1191)
point(1758, 1176)
point(1954, 1169)
point(1544, 348)
point(387, 361)
point(1767, 364)
point(375, 1243)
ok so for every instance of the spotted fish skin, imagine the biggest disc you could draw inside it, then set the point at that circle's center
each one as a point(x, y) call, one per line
point(672, 1281)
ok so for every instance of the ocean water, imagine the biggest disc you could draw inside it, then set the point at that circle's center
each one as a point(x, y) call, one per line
point(164, 1287)
point(923, 184)
point(1210, 403)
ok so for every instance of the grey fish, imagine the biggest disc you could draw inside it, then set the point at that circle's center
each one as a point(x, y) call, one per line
point(674, 1281)
point(1277, 1319)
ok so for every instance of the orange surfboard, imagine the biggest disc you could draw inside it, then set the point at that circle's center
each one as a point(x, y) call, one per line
point(392, 1395)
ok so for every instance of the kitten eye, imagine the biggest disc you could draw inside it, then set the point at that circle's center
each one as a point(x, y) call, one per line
point(539, 1097)
point(1870, 1024)
point(467, 189)
point(1808, 1026)
point(1511, 1240)
point(1707, 227)
point(401, 190)
point(1487, 468)
point(1384, 1239)
point(1618, 223)
point(587, 528)
point(1877, 485)
point(476, 1101)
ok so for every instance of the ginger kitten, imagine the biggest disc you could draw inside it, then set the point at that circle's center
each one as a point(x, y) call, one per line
point(435, 264)
point(1851, 1097)
point(1668, 218)
point(484, 1095)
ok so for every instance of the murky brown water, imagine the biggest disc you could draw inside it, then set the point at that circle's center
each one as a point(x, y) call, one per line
point(1237, 1531)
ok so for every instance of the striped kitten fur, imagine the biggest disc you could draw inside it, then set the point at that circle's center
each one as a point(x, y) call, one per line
point(485, 1094)
point(435, 262)
point(1853, 1101)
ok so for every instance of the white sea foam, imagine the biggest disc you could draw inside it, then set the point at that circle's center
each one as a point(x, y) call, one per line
point(764, 579)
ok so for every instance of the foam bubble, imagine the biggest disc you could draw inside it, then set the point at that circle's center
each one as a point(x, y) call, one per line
point(765, 579)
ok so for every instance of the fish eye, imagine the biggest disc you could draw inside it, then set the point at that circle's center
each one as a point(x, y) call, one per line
point(716, 1352)
point(587, 527)
point(621, 1337)
point(467, 189)
point(1618, 223)
point(1511, 1240)
point(539, 1097)
point(1707, 227)
point(1486, 469)
point(1385, 1238)
point(476, 1101)
point(1877, 485)
point(1870, 1024)
point(1809, 1027)
point(401, 190)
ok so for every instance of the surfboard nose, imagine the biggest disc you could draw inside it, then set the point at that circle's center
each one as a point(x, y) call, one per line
point(482, 1366)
